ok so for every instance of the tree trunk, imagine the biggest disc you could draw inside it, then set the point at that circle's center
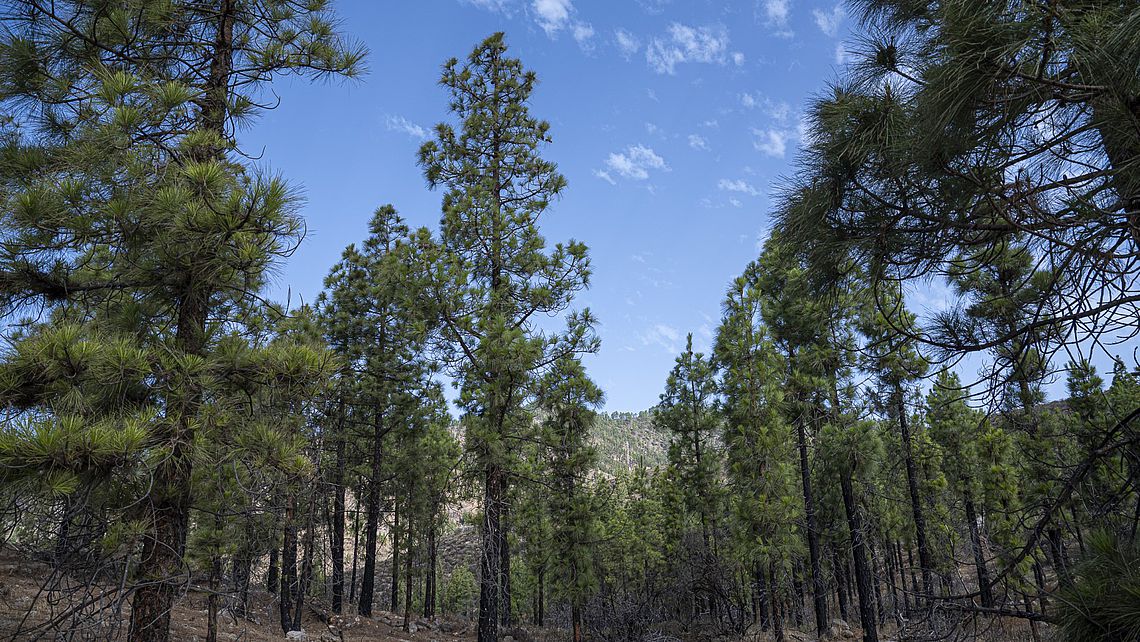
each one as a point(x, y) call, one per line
point(372, 519)
point(760, 596)
point(212, 600)
point(984, 588)
point(289, 565)
point(355, 550)
point(777, 606)
point(924, 559)
point(430, 581)
point(394, 589)
point(840, 580)
point(336, 541)
point(161, 562)
point(819, 591)
point(273, 575)
point(504, 567)
point(490, 562)
point(859, 552)
point(408, 580)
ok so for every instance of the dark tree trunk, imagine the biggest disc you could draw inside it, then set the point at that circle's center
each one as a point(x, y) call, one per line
point(273, 575)
point(504, 568)
point(243, 567)
point(336, 539)
point(984, 588)
point(430, 580)
point(840, 567)
point(490, 563)
point(777, 605)
point(408, 580)
point(819, 591)
point(372, 519)
point(540, 601)
point(306, 575)
point(394, 588)
point(876, 582)
point(902, 576)
point(760, 596)
point(859, 552)
point(924, 559)
point(288, 591)
point(212, 601)
point(355, 550)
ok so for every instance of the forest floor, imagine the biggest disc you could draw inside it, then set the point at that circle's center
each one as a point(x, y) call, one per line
point(25, 609)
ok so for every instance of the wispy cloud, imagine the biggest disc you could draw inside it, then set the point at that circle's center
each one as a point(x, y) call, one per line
point(628, 44)
point(501, 6)
point(405, 126)
point(740, 186)
point(556, 15)
point(662, 335)
point(552, 15)
point(775, 12)
point(772, 142)
point(698, 142)
point(777, 110)
point(633, 163)
point(829, 21)
point(605, 176)
point(685, 44)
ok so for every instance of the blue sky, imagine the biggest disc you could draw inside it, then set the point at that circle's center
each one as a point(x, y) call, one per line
point(673, 120)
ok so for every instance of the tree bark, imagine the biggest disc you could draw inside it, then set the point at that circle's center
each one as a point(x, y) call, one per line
point(490, 562)
point(336, 543)
point(288, 565)
point(819, 591)
point(984, 587)
point(859, 552)
point(372, 518)
point(924, 559)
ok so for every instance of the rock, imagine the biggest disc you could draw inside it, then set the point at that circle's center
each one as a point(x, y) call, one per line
point(297, 636)
point(412, 628)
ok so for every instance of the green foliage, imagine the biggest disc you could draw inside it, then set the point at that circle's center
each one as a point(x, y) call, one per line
point(1103, 603)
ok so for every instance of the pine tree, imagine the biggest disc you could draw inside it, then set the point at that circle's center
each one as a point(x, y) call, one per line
point(957, 429)
point(375, 320)
point(492, 276)
point(569, 398)
point(129, 209)
point(758, 445)
point(687, 412)
point(892, 355)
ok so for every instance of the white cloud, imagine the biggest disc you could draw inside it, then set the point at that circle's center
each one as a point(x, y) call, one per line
point(772, 142)
point(627, 43)
point(776, 12)
point(828, 22)
point(503, 6)
point(777, 110)
point(698, 142)
point(583, 32)
point(605, 176)
point(739, 186)
point(687, 44)
point(662, 335)
point(737, 58)
point(635, 162)
point(735, 202)
point(405, 126)
point(553, 15)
